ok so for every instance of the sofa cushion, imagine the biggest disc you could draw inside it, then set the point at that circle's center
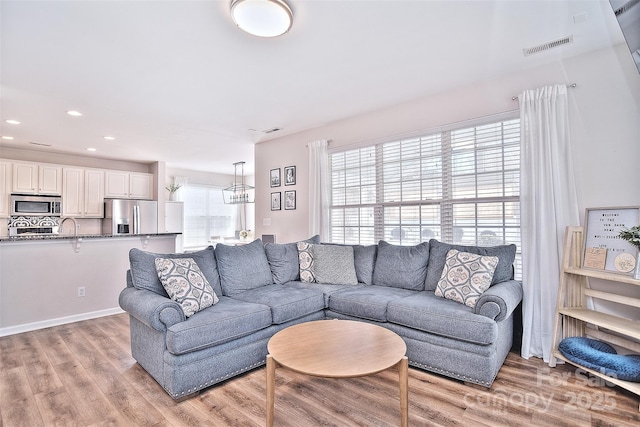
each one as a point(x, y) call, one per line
point(465, 277)
point(283, 260)
point(365, 260)
point(327, 289)
point(144, 275)
point(286, 303)
point(242, 267)
point(185, 284)
point(438, 254)
point(401, 266)
point(366, 302)
point(305, 260)
point(426, 312)
point(229, 319)
point(333, 264)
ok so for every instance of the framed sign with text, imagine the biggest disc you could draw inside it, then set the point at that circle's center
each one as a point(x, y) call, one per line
point(603, 247)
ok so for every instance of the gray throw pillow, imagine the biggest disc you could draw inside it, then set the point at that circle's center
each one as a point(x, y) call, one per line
point(365, 260)
point(242, 267)
point(401, 266)
point(333, 264)
point(438, 254)
point(283, 260)
point(144, 275)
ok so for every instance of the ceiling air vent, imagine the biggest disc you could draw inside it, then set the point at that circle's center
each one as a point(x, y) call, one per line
point(625, 7)
point(271, 130)
point(41, 144)
point(548, 45)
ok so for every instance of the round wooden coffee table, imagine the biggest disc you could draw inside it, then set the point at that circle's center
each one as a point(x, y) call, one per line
point(337, 349)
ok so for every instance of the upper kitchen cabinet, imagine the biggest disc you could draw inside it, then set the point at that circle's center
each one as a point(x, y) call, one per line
point(34, 178)
point(83, 193)
point(93, 193)
point(6, 175)
point(140, 186)
point(128, 185)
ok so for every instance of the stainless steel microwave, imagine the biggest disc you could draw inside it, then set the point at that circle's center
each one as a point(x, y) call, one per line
point(30, 205)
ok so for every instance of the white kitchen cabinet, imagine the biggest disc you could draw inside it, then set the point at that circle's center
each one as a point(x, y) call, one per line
point(116, 184)
point(6, 175)
point(25, 178)
point(49, 179)
point(34, 178)
point(128, 185)
point(72, 192)
point(174, 217)
point(140, 186)
point(93, 193)
point(83, 193)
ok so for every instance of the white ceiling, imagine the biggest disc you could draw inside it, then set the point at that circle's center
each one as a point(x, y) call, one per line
point(176, 81)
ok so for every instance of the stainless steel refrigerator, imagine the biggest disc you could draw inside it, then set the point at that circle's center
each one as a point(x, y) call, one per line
point(123, 216)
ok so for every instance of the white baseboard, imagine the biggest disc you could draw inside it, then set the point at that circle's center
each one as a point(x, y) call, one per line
point(11, 330)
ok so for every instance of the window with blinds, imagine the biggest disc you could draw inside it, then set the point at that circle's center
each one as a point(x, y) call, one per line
point(459, 186)
point(206, 215)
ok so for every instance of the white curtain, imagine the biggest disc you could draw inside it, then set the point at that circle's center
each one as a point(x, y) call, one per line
point(319, 185)
point(548, 205)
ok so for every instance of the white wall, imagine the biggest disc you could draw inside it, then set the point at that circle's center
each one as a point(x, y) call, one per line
point(39, 280)
point(604, 112)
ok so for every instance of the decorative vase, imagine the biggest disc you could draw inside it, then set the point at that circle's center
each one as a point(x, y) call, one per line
point(172, 196)
point(636, 271)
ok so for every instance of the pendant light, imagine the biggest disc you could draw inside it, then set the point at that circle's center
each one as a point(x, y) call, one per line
point(239, 192)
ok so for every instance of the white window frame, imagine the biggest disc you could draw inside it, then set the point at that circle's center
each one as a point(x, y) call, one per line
point(228, 213)
point(368, 206)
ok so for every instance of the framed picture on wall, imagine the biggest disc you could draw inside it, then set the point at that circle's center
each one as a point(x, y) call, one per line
point(290, 175)
point(274, 177)
point(603, 247)
point(289, 200)
point(276, 203)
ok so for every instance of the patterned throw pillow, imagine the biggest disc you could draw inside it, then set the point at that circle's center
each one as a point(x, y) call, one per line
point(305, 259)
point(465, 277)
point(185, 284)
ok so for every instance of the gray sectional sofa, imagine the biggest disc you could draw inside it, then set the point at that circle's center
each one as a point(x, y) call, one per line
point(260, 292)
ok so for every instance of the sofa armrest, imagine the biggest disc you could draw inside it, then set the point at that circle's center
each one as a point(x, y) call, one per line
point(153, 310)
point(499, 301)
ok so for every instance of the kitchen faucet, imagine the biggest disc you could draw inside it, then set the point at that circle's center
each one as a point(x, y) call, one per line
point(75, 226)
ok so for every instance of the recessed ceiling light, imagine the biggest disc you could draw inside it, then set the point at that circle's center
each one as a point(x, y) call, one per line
point(12, 122)
point(91, 149)
point(74, 113)
point(110, 138)
point(9, 138)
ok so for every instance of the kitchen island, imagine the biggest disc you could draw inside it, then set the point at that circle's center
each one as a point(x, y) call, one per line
point(48, 280)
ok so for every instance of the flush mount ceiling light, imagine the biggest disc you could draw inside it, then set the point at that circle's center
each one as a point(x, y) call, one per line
point(262, 18)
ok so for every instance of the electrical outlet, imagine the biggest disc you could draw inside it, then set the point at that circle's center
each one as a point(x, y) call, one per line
point(81, 291)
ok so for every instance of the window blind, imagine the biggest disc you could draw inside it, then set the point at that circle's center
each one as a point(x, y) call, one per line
point(206, 215)
point(458, 185)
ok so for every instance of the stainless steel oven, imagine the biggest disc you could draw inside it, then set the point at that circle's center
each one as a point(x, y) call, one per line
point(30, 205)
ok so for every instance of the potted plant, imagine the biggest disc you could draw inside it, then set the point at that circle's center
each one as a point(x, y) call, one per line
point(172, 188)
point(632, 235)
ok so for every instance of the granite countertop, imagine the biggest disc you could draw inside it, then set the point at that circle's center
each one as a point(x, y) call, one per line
point(4, 239)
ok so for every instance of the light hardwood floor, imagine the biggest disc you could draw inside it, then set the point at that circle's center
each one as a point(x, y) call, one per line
point(83, 374)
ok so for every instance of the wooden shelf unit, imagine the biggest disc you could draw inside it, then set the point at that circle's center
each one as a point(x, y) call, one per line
point(572, 314)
